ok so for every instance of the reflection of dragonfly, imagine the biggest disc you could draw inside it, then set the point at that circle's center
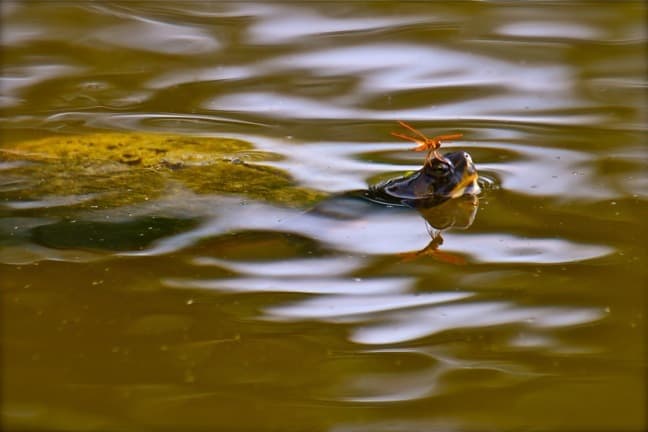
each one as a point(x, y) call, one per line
point(457, 213)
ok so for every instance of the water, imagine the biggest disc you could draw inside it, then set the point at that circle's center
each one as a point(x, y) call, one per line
point(204, 311)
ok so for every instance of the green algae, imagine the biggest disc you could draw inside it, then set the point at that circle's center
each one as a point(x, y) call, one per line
point(116, 169)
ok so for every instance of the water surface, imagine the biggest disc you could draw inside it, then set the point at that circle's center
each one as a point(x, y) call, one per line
point(220, 312)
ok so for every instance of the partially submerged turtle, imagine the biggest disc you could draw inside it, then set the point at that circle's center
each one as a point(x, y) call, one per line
point(113, 169)
point(107, 170)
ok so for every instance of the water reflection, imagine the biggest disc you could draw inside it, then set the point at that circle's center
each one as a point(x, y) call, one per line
point(347, 224)
point(457, 213)
point(352, 225)
point(149, 35)
point(285, 24)
point(425, 322)
point(296, 284)
point(17, 79)
point(246, 315)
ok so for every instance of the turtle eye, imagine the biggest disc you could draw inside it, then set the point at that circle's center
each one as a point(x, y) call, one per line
point(441, 170)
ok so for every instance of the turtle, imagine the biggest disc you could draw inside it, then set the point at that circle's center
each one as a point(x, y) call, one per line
point(442, 177)
point(117, 169)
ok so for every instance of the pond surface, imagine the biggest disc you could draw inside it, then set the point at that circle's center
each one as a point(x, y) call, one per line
point(211, 311)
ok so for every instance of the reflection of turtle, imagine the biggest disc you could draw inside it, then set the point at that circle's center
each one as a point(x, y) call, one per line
point(114, 169)
point(456, 213)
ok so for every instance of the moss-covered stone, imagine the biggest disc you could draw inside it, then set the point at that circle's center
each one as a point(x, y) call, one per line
point(114, 169)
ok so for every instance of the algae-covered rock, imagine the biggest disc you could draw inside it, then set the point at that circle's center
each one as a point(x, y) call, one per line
point(114, 169)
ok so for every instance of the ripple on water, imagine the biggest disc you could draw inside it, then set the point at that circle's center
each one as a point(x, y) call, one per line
point(197, 75)
point(287, 267)
point(562, 173)
point(377, 383)
point(557, 30)
point(348, 307)
point(392, 320)
point(522, 88)
point(414, 66)
point(505, 248)
point(146, 34)
point(320, 285)
point(51, 202)
point(281, 24)
point(17, 79)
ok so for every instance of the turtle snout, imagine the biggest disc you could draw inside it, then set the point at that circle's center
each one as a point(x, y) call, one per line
point(470, 165)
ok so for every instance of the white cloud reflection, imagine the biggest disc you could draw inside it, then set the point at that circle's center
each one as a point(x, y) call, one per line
point(156, 36)
point(391, 324)
point(324, 285)
point(281, 24)
point(332, 307)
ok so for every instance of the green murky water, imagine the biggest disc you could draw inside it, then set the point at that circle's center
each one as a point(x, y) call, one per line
point(221, 308)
